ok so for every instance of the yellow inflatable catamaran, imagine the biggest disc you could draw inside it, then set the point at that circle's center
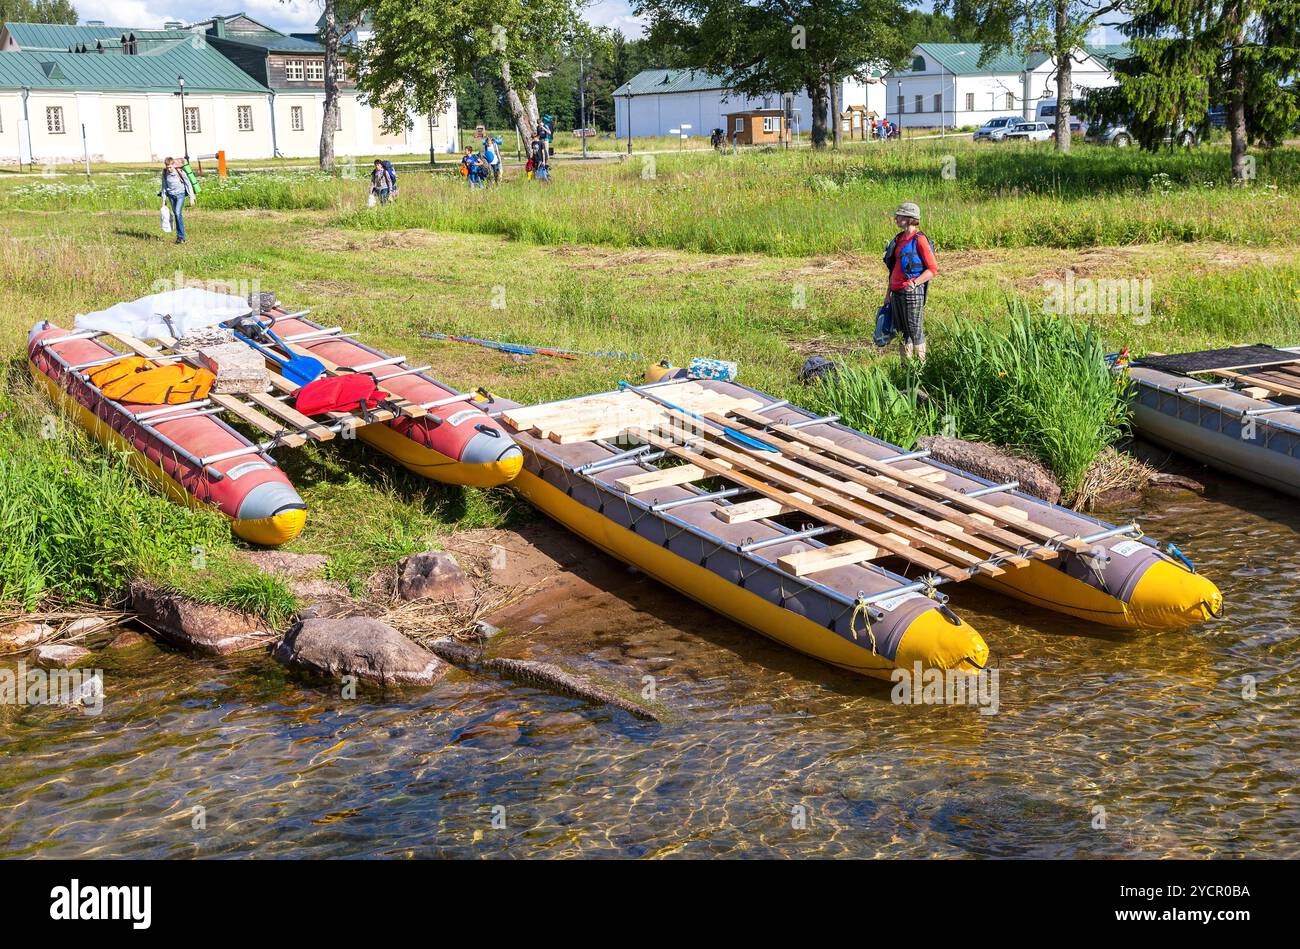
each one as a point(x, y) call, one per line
point(823, 538)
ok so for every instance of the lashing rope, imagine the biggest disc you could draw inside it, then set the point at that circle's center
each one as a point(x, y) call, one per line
point(862, 608)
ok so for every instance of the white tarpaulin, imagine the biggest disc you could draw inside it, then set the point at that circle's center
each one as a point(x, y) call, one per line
point(175, 313)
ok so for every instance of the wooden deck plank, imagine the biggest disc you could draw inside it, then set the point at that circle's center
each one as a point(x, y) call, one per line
point(847, 554)
point(826, 511)
point(663, 478)
point(957, 500)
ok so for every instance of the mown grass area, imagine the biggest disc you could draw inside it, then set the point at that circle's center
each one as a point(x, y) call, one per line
point(484, 270)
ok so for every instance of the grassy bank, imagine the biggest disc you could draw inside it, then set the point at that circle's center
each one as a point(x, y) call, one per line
point(1029, 382)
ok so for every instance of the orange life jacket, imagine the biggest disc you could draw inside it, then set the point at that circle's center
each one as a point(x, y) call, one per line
point(136, 379)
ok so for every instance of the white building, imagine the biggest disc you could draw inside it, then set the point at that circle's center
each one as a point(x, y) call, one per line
point(947, 86)
point(112, 94)
point(656, 101)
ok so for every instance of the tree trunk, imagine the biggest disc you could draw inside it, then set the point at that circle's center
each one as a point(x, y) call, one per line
point(817, 92)
point(1064, 76)
point(330, 119)
point(1237, 93)
point(832, 89)
point(524, 116)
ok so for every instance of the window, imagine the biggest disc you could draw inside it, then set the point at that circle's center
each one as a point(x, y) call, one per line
point(192, 119)
point(54, 119)
point(244, 118)
point(938, 103)
point(740, 123)
point(124, 118)
point(293, 70)
point(767, 123)
point(316, 70)
point(433, 120)
point(1011, 101)
point(970, 102)
point(918, 64)
point(295, 118)
point(900, 103)
point(920, 104)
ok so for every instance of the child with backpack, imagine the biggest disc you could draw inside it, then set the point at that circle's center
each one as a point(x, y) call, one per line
point(492, 155)
point(381, 185)
point(909, 258)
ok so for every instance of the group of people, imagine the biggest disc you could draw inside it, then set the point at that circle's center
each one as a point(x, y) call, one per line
point(883, 129)
point(480, 167)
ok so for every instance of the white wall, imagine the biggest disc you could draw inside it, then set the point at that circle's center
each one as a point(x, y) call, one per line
point(704, 111)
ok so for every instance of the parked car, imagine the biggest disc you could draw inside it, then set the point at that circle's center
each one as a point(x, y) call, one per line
point(1120, 136)
point(1028, 132)
point(994, 129)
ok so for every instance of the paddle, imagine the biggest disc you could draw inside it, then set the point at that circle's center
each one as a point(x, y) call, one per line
point(297, 369)
point(740, 438)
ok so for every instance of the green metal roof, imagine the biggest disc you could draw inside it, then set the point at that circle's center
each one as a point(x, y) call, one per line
point(271, 42)
point(963, 59)
point(204, 69)
point(53, 36)
point(650, 81)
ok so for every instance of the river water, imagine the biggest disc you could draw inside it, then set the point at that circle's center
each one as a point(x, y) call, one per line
point(1104, 743)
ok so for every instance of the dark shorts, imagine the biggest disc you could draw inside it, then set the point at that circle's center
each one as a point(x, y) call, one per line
point(908, 307)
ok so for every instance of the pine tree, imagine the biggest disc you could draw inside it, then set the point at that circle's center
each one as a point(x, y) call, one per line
point(1190, 54)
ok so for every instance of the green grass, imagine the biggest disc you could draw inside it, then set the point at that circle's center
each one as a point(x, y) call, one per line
point(1034, 383)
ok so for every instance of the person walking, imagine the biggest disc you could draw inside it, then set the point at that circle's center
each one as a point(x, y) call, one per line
point(381, 183)
point(909, 258)
point(176, 187)
point(492, 154)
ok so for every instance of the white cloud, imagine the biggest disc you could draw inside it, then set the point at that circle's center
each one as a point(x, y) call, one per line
point(617, 14)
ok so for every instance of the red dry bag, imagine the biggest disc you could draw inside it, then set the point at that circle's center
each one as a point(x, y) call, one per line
point(338, 394)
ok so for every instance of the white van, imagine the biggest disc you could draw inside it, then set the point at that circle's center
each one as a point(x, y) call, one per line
point(1047, 113)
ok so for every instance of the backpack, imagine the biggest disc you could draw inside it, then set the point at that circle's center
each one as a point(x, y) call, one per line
point(338, 394)
point(136, 379)
point(816, 369)
point(910, 257)
point(392, 175)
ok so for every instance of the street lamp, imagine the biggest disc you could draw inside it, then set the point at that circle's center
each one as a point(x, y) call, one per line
point(629, 122)
point(432, 159)
point(582, 102)
point(185, 132)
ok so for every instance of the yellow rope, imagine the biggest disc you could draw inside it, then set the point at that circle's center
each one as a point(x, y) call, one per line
point(861, 608)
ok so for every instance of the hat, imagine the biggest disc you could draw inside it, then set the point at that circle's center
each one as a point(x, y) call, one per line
point(908, 209)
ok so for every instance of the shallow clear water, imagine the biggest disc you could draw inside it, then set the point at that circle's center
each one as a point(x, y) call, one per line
point(1153, 728)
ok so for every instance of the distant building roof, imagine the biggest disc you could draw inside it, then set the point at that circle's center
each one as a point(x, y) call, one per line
point(271, 42)
point(60, 36)
point(188, 55)
point(963, 59)
point(651, 81)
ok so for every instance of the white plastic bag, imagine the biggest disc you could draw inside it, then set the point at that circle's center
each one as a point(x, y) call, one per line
point(371, 201)
point(165, 218)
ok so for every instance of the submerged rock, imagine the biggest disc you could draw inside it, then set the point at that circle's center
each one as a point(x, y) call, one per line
point(993, 464)
point(434, 574)
point(126, 639)
point(1167, 481)
point(59, 655)
point(199, 626)
point(23, 635)
point(87, 624)
point(359, 646)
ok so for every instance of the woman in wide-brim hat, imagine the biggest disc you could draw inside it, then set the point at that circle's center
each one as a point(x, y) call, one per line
point(909, 257)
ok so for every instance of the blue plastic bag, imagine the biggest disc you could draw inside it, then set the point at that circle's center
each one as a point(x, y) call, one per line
point(885, 329)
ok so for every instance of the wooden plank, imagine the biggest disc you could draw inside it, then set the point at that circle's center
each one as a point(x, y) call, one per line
point(870, 489)
point(305, 424)
point(1278, 388)
point(826, 511)
point(846, 554)
point(754, 510)
point(663, 478)
point(956, 498)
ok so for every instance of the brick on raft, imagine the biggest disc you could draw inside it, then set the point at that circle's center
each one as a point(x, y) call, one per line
point(238, 368)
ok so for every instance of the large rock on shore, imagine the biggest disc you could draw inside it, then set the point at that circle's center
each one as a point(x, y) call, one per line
point(359, 646)
point(202, 627)
point(994, 464)
point(434, 575)
point(59, 655)
point(23, 635)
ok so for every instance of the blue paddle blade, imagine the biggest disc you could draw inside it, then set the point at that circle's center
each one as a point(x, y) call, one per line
point(302, 369)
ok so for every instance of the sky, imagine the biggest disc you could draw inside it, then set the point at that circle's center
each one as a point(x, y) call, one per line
point(300, 15)
point(290, 16)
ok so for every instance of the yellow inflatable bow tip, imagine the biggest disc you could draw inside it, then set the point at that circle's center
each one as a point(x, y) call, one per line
point(936, 642)
point(1169, 596)
point(274, 530)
